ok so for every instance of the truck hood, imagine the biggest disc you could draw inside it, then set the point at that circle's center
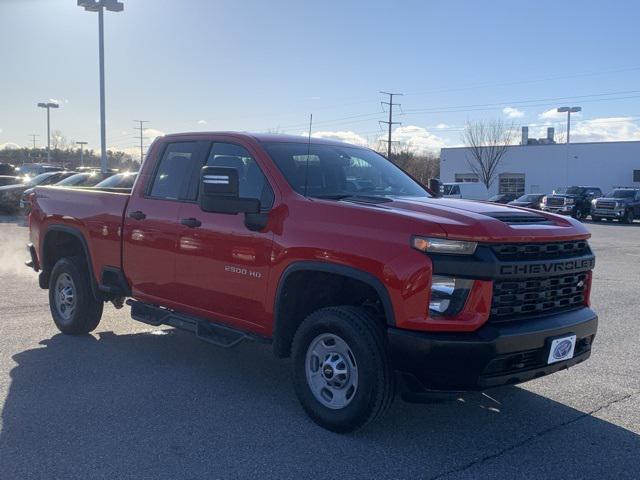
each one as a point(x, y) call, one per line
point(484, 221)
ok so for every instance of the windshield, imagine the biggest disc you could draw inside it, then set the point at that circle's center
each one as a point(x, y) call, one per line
point(76, 179)
point(569, 191)
point(336, 171)
point(497, 197)
point(119, 180)
point(621, 194)
point(528, 198)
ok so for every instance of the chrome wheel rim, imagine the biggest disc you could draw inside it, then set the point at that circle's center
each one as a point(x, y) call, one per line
point(332, 372)
point(65, 296)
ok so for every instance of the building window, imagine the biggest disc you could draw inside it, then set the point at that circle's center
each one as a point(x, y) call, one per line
point(466, 177)
point(511, 183)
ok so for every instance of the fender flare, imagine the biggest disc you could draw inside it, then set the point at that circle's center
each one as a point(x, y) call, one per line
point(337, 269)
point(77, 234)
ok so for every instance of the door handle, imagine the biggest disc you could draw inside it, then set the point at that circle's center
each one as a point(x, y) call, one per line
point(191, 222)
point(137, 215)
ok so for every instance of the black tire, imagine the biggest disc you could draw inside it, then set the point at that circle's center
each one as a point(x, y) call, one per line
point(85, 315)
point(628, 217)
point(366, 339)
point(577, 214)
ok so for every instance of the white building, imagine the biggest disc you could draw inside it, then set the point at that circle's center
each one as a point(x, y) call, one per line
point(541, 168)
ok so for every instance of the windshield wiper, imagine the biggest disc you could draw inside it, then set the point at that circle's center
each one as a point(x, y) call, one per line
point(356, 197)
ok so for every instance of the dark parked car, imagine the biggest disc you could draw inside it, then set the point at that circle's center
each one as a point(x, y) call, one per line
point(10, 180)
point(502, 198)
point(620, 203)
point(85, 179)
point(529, 200)
point(7, 169)
point(10, 194)
point(34, 169)
point(574, 201)
point(119, 180)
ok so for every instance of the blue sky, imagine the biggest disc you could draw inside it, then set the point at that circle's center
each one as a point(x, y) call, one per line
point(264, 66)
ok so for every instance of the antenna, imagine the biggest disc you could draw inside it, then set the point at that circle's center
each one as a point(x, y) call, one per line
point(306, 170)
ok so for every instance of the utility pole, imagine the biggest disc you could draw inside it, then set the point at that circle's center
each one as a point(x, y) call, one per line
point(33, 139)
point(141, 128)
point(82, 144)
point(390, 123)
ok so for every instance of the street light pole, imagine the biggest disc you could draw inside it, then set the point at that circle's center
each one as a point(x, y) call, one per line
point(569, 111)
point(48, 106)
point(82, 144)
point(99, 6)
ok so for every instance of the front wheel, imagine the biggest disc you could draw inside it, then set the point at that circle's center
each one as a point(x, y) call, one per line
point(74, 308)
point(628, 217)
point(578, 214)
point(342, 369)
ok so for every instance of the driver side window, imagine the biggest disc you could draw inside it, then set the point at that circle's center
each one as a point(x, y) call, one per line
point(251, 181)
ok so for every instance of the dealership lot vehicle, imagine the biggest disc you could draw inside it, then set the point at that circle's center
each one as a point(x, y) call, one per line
point(10, 195)
point(123, 180)
point(622, 204)
point(574, 201)
point(529, 200)
point(503, 198)
point(467, 190)
point(223, 233)
point(10, 180)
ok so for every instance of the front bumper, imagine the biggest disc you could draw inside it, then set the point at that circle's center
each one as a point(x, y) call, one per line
point(608, 213)
point(494, 355)
point(562, 210)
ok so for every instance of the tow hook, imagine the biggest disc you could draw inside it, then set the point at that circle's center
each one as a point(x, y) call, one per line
point(118, 302)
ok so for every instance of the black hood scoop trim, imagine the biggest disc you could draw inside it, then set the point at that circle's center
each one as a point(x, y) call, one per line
point(520, 218)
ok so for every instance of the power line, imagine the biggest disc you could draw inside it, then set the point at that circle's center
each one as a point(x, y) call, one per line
point(390, 123)
point(141, 128)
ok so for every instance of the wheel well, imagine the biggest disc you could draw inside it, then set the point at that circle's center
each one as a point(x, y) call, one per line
point(305, 291)
point(59, 244)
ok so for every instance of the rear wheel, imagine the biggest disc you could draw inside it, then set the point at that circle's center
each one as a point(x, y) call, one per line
point(342, 370)
point(73, 306)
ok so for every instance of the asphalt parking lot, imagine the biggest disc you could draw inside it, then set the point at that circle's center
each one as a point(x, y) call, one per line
point(132, 401)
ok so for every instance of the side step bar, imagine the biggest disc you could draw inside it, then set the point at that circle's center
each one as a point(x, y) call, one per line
point(215, 333)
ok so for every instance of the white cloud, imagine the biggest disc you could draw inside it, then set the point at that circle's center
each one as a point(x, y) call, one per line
point(342, 136)
point(440, 126)
point(553, 114)
point(512, 112)
point(611, 129)
point(418, 139)
point(9, 146)
point(202, 122)
point(152, 133)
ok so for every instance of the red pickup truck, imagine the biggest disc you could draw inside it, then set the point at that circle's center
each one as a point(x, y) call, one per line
point(333, 255)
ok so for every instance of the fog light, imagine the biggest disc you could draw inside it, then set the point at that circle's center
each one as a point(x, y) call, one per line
point(448, 295)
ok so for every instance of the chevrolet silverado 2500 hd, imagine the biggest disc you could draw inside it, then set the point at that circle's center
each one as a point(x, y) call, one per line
point(334, 256)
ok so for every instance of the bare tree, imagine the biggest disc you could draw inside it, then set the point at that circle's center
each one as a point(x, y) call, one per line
point(487, 143)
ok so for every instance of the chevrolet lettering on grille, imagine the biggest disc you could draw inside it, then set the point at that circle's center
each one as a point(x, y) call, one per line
point(547, 267)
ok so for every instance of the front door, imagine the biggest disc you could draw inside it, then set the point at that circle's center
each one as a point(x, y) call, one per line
point(151, 226)
point(222, 267)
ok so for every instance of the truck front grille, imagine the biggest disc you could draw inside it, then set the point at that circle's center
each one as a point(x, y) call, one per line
point(515, 299)
point(606, 205)
point(555, 202)
point(540, 251)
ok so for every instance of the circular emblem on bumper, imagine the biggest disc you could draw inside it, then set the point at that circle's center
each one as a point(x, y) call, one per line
point(562, 349)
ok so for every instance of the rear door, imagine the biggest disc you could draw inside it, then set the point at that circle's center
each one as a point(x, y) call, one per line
point(151, 225)
point(222, 266)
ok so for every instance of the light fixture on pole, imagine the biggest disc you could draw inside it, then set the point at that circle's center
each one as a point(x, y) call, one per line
point(569, 111)
point(99, 6)
point(48, 106)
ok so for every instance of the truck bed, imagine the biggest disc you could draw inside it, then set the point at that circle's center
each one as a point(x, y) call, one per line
point(96, 213)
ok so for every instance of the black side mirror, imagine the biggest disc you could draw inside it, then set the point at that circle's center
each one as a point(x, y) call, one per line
point(219, 192)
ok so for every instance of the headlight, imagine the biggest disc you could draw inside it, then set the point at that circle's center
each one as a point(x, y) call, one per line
point(441, 245)
point(594, 202)
point(448, 295)
point(544, 200)
point(569, 201)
